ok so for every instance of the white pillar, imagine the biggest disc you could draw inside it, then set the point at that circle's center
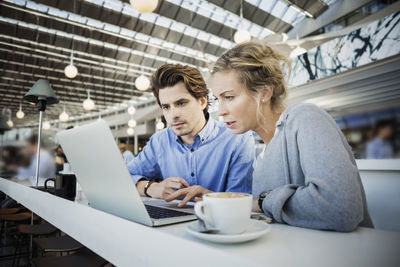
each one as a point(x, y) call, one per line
point(136, 144)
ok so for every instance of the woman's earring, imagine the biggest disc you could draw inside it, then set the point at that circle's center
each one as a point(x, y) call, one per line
point(263, 100)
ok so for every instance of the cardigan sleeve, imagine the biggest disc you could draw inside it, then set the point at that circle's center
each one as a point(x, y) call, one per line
point(331, 196)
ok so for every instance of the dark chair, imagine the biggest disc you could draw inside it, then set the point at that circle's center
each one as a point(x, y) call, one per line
point(14, 219)
point(62, 244)
point(7, 211)
point(43, 229)
point(17, 217)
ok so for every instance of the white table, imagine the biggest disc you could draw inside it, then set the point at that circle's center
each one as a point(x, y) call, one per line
point(125, 243)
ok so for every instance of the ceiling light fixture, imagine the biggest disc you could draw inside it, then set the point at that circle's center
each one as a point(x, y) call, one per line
point(132, 123)
point(131, 110)
point(241, 35)
point(10, 123)
point(70, 70)
point(64, 116)
point(7, 112)
point(46, 125)
point(142, 83)
point(144, 6)
point(20, 114)
point(160, 125)
point(88, 104)
point(130, 131)
point(298, 50)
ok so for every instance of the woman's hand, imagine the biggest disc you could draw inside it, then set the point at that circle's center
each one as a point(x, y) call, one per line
point(256, 208)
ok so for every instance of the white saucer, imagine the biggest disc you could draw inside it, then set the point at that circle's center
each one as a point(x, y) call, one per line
point(254, 230)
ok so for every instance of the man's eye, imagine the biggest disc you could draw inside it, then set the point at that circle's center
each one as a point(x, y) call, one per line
point(229, 97)
point(164, 107)
point(181, 104)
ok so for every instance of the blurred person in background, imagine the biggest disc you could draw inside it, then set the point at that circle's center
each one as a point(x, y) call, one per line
point(11, 158)
point(126, 153)
point(27, 171)
point(380, 147)
point(60, 159)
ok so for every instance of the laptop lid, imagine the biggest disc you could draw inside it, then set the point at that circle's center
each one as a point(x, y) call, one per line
point(101, 171)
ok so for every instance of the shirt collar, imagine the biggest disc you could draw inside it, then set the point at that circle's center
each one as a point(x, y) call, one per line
point(208, 131)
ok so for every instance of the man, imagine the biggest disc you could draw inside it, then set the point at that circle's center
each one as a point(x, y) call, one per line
point(47, 167)
point(380, 147)
point(195, 154)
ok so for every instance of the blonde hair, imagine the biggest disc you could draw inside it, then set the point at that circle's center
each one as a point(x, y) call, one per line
point(257, 66)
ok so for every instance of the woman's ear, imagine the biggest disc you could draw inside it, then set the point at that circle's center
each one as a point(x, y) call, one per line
point(266, 93)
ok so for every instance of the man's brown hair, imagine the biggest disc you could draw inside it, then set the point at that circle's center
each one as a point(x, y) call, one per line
point(170, 74)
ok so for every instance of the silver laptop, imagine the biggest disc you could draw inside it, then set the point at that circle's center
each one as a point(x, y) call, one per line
point(105, 179)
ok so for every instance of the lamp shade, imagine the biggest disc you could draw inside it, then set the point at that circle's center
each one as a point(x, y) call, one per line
point(41, 90)
point(3, 125)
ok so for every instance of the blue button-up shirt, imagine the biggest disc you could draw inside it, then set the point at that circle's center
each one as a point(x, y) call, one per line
point(378, 149)
point(218, 160)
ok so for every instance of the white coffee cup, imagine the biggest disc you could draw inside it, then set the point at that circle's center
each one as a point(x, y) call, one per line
point(227, 212)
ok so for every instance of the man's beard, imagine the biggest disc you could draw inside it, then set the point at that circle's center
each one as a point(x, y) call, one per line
point(177, 131)
point(185, 133)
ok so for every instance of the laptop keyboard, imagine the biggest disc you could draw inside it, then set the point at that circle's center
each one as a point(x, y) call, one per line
point(160, 213)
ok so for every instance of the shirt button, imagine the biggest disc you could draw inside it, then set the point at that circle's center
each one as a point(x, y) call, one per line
point(202, 140)
point(192, 150)
point(192, 174)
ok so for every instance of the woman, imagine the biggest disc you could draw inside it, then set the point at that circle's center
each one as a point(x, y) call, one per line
point(306, 175)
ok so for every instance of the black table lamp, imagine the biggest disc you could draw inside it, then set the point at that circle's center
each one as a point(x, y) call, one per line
point(42, 94)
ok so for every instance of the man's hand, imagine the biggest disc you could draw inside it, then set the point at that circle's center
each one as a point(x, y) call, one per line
point(188, 193)
point(167, 187)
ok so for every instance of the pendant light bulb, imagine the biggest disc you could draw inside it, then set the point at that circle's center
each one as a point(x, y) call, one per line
point(160, 125)
point(132, 123)
point(88, 104)
point(46, 125)
point(20, 114)
point(64, 116)
point(142, 83)
point(144, 6)
point(131, 110)
point(241, 35)
point(10, 123)
point(130, 131)
point(70, 70)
